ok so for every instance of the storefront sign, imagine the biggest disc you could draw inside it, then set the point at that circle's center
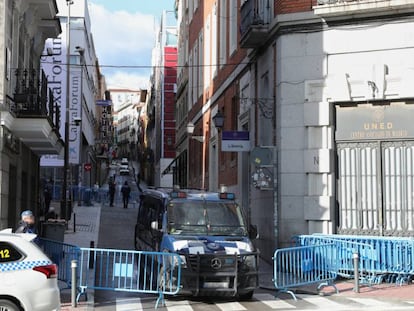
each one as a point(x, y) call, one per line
point(375, 122)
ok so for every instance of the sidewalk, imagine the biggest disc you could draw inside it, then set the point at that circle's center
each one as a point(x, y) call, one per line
point(82, 231)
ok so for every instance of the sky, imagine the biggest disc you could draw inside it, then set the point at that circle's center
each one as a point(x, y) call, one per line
point(124, 35)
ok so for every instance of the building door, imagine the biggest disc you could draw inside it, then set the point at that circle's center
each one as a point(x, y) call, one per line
point(375, 191)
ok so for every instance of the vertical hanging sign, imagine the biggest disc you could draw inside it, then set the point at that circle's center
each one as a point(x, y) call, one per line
point(75, 102)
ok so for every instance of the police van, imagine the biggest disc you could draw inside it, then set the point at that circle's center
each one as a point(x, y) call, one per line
point(209, 232)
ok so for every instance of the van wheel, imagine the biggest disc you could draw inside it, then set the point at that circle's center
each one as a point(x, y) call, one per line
point(8, 305)
point(246, 296)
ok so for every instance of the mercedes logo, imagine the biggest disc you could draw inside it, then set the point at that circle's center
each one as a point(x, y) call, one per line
point(216, 263)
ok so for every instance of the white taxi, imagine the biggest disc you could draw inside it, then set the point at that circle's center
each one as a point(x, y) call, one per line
point(28, 278)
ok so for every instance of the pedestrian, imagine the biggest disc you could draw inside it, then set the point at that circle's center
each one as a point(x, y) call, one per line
point(27, 223)
point(125, 190)
point(111, 192)
point(47, 195)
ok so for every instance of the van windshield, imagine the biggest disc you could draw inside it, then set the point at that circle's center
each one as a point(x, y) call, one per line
point(204, 217)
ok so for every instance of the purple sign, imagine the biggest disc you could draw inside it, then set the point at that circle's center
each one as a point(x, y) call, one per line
point(235, 141)
point(235, 135)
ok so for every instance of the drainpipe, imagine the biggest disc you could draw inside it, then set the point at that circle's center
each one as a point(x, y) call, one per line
point(275, 183)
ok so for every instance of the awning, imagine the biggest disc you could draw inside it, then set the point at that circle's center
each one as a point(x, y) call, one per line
point(169, 169)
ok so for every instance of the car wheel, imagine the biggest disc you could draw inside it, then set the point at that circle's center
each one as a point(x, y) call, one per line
point(7, 305)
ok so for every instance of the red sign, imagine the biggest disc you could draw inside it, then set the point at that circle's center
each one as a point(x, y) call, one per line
point(87, 166)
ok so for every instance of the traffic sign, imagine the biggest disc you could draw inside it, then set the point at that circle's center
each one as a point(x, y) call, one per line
point(87, 166)
point(103, 102)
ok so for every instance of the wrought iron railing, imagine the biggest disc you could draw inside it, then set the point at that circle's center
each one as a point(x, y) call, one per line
point(32, 97)
point(254, 13)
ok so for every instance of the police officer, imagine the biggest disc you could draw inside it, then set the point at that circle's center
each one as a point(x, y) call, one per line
point(27, 223)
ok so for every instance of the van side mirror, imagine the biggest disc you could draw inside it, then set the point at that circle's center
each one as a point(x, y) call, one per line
point(253, 233)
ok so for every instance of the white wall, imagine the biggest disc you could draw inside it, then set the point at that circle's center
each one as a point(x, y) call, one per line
point(311, 74)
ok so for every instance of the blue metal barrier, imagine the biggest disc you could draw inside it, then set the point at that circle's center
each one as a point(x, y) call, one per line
point(134, 198)
point(392, 258)
point(304, 265)
point(119, 270)
point(131, 271)
point(61, 254)
point(103, 196)
point(87, 197)
point(343, 251)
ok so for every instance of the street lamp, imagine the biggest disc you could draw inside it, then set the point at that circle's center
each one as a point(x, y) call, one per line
point(64, 199)
point(190, 130)
point(218, 120)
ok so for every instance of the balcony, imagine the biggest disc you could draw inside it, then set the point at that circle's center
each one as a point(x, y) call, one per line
point(46, 11)
point(346, 9)
point(255, 20)
point(34, 115)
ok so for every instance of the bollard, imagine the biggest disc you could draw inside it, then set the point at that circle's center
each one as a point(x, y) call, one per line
point(74, 265)
point(356, 272)
point(74, 222)
point(91, 257)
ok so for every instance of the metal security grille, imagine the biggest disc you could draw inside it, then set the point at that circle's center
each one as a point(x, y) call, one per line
point(376, 188)
point(398, 187)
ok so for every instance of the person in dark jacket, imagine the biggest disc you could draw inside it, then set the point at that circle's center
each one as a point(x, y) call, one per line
point(47, 195)
point(111, 192)
point(125, 190)
point(27, 223)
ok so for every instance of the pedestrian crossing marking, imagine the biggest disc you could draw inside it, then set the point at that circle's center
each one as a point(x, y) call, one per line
point(125, 304)
point(230, 306)
point(178, 305)
point(273, 302)
point(323, 302)
point(370, 302)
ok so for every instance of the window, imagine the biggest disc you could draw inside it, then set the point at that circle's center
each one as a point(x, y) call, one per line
point(200, 65)
point(223, 32)
point(233, 27)
point(207, 53)
point(214, 41)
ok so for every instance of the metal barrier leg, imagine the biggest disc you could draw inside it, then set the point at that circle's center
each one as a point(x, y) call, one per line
point(324, 284)
point(291, 293)
point(82, 291)
point(160, 299)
